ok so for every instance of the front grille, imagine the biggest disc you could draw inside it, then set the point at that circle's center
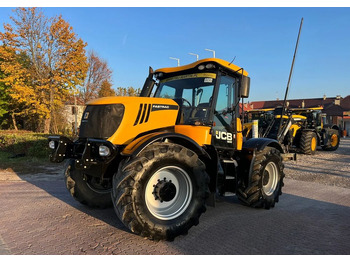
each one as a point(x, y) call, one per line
point(101, 121)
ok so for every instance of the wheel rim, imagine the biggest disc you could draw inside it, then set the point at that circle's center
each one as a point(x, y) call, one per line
point(270, 178)
point(334, 140)
point(313, 144)
point(174, 195)
point(96, 187)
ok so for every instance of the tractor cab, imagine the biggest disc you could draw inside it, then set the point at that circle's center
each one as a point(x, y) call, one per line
point(208, 94)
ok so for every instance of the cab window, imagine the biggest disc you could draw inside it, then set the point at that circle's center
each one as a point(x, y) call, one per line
point(225, 102)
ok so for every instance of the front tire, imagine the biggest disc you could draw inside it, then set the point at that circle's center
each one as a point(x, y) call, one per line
point(264, 186)
point(86, 189)
point(334, 141)
point(161, 193)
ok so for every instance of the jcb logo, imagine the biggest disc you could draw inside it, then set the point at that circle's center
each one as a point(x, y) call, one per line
point(224, 136)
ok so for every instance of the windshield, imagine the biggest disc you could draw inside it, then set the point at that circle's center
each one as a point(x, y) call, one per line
point(192, 92)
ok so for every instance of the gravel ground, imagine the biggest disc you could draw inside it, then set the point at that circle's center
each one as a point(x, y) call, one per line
point(325, 167)
point(38, 216)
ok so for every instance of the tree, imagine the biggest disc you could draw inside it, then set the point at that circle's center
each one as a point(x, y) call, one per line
point(98, 72)
point(130, 91)
point(14, 64)
point(133, 92)
point(4, 95)
point(106, 89)
point(43, 61)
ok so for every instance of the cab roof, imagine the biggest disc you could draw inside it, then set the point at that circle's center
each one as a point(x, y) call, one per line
point(218, 61)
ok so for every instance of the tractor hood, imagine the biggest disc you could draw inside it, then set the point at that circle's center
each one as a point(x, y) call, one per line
point(121, 119)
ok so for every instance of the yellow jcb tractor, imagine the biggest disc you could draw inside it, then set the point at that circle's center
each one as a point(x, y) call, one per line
point(311, 131)
point(161, 157)
point(302, 130)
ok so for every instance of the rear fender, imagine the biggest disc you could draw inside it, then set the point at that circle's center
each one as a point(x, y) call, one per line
point(248, 153)
point(261, 143)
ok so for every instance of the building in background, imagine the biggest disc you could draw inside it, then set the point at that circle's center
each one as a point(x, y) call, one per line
point(72, 114)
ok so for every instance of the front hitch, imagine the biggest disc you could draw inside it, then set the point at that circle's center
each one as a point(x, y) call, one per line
point(62, 148)
point(91, 155)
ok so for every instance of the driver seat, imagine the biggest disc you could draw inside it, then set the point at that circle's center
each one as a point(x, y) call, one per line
point(201, 111)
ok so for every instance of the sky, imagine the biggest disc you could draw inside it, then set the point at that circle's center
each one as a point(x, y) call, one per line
point(261, 39)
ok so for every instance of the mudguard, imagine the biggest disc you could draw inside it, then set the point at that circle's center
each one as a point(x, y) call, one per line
point(139, 144)
point(261, 143)
point(249, 149)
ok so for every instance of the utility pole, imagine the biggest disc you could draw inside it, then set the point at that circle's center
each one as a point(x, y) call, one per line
point(211, 51)
point(195, 55)
point(178, 60)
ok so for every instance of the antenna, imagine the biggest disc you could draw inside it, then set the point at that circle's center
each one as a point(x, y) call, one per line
point(289, 79)
point(232, 60)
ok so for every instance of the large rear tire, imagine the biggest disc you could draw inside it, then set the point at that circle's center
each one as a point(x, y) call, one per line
point(308, 142)
point(161, 193)
point(264, 186)
point(86, 189)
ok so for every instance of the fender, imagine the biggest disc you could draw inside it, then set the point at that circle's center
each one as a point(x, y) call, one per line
point(139, 144)
point(248, 153)
point(335, 127)
point(261, 143)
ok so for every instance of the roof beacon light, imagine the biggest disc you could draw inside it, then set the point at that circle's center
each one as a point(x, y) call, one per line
point(201, 67)
point(210, 66)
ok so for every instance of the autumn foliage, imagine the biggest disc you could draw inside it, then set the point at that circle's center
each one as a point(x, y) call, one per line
point(43, 65)
point(42, 61)
point(98, 76)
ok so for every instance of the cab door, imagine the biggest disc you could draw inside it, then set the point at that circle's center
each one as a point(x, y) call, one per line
point(224, 111)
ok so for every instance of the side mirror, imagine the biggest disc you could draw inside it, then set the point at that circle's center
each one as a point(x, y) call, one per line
point(148, 85)
point(244, 87)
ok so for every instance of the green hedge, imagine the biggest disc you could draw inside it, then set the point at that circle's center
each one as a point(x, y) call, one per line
point(23, 142)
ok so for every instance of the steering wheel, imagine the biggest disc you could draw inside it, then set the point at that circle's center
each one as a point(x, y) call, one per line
point(185, 100)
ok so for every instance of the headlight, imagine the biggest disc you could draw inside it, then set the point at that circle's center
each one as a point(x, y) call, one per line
point(104, 150)
point(52, 144)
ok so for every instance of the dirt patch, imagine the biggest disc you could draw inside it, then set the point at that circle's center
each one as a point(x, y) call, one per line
point(325, 167)
point(43, 172)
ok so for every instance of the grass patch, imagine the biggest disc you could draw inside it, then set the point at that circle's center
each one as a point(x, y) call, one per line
point(22, 165)
point(24, 144)
point(23, 151)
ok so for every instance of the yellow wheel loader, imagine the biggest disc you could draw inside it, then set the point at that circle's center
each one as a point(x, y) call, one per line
point(161, 157)
point(301, 130)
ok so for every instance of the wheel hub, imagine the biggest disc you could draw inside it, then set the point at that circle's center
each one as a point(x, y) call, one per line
point(164, 190)
point(168, 192)
point(266, 178)
point(270, 178)
point(334, 140)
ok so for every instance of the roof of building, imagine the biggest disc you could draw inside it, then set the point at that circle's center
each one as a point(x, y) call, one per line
point(295, 103)
point(334, 106)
